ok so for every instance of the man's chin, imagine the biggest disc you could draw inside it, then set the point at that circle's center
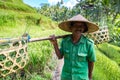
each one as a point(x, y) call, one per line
point(78, 33)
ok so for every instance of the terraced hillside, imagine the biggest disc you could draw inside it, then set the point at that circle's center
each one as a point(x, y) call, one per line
point(17, 5)
point(17, 19)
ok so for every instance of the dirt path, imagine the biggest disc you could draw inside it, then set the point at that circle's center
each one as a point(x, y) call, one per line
point(58, 70)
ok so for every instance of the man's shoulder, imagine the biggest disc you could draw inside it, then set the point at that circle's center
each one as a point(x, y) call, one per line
point(88, 39)
point(66, 38)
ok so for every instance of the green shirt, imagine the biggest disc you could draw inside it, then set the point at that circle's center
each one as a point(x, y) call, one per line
point(76, 58)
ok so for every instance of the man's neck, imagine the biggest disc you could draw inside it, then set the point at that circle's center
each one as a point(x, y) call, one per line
point(76, 38)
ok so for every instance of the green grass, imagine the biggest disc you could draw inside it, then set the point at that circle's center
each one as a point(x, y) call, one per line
point(111, 51)
point(17, 5)
point(15, 1)
point(36, 77)
point(105, 68)
point(9, 18)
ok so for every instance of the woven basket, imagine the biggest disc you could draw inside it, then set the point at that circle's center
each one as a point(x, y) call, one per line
point(13, 55)
point(102, 35)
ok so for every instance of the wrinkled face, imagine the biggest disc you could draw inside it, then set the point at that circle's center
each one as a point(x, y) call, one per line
point(78, 28)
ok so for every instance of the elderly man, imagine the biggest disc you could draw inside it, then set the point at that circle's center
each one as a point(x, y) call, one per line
point(78, 51)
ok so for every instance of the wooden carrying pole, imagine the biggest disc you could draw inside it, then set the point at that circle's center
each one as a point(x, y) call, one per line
point(47, 38)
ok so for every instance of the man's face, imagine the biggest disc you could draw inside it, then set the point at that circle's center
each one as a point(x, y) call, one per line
point(78, 28)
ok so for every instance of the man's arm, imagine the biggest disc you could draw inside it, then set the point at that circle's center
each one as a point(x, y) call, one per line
point(55, 44)
point(90, 68)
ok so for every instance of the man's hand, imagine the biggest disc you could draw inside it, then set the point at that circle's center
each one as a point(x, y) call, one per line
point(90, 79)
point(90, 67)
point(53, 39)
point(54, 42)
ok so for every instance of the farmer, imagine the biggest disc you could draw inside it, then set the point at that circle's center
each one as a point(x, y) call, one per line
point(77, 50)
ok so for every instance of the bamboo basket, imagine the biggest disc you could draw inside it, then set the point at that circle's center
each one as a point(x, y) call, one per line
point(13, 55)
point(100, 36)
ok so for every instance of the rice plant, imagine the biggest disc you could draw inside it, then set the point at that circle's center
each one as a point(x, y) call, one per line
point(113, 52)
point(105, 68)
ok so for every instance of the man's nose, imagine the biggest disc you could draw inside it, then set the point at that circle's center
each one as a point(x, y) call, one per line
point(79, 28)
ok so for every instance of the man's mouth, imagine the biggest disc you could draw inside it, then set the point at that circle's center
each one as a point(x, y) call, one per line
point(78, 30)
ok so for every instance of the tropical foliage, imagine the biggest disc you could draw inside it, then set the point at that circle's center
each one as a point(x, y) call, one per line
point(102, 12)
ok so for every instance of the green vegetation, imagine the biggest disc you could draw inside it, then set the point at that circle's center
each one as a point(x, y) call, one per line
point(40, 53)
point(113, 52)
point(97, 11)
point(105, 68)
point(115, 34)
point(15, 5)
point(105, 13)
point(10, 20)
point(37, 77)
point(14, 21)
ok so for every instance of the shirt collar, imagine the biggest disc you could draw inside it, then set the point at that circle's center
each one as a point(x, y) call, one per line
point(82, 39)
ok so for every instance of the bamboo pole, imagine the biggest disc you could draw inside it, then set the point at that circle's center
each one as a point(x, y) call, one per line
point(47, 38)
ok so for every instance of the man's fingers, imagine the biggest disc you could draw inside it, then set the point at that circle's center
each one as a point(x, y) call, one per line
point(52, 37)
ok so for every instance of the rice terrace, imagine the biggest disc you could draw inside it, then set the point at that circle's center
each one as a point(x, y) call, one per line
point(26, 34)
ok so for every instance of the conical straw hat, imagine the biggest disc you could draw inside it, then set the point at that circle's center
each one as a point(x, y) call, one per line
point(78, 18)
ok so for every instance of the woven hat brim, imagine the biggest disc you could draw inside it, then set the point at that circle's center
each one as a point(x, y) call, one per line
point(66, 26)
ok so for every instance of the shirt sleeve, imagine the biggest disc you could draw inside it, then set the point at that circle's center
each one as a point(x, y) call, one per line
point(91, 53)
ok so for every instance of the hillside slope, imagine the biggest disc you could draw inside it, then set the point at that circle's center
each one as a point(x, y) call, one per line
point(14, 15)
point(17, 5)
